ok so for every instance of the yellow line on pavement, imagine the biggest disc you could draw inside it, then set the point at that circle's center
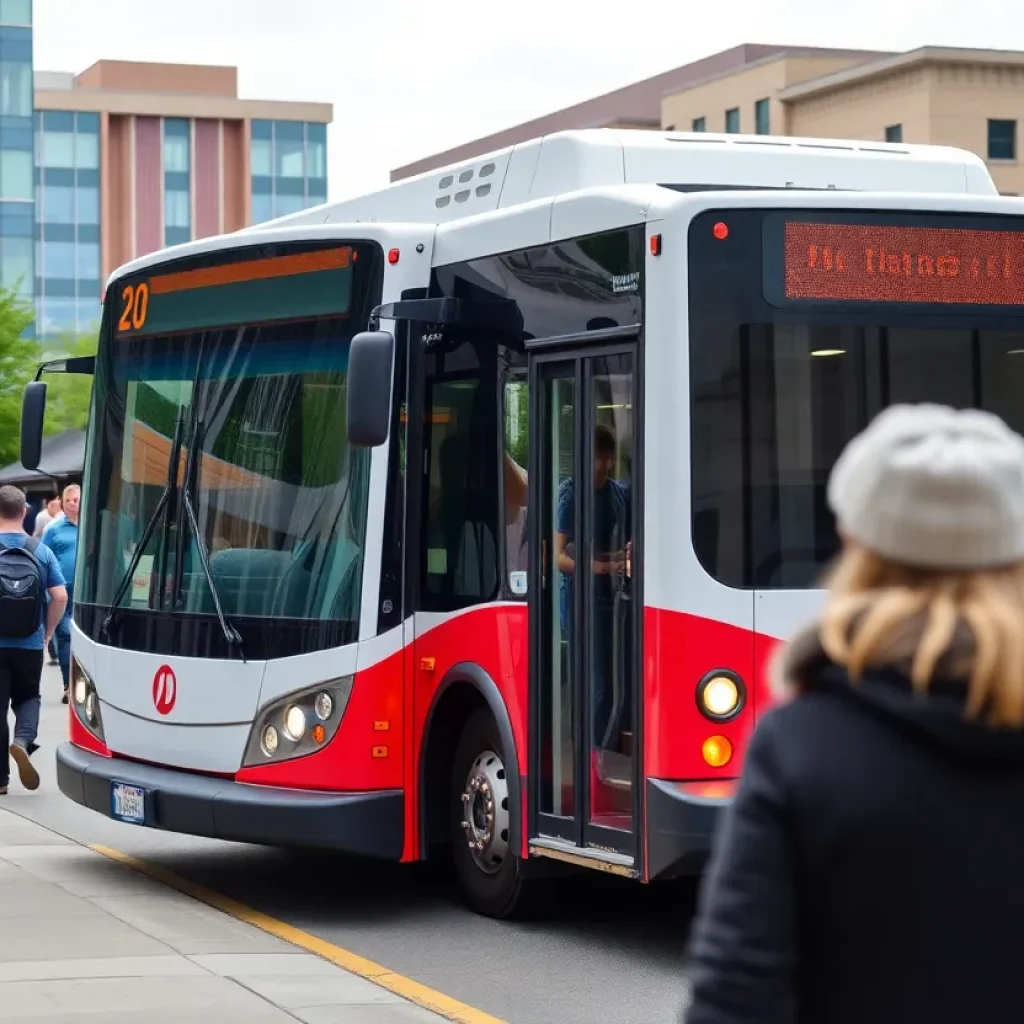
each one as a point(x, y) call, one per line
point(431, 999)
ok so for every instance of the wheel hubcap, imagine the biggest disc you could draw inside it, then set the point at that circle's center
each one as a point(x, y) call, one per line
point(485, 812)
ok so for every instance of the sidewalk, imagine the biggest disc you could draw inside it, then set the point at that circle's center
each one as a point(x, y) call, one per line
point(87, 939)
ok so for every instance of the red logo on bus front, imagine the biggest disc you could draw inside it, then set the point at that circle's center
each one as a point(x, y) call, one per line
point(165, 689)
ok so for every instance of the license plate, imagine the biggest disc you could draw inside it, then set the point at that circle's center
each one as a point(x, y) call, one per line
point(128, 803)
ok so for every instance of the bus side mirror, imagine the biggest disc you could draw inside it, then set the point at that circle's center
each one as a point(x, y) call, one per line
point(370, 366)
point(33, 410)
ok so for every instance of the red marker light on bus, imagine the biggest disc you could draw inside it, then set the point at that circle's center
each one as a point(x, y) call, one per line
point(721, 230)
point(393, 255)
point(655, 245)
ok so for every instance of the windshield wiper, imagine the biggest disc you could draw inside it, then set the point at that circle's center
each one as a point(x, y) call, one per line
point(231, 634)
point(161, 505)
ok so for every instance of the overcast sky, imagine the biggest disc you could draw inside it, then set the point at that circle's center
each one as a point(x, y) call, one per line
point(410, 77)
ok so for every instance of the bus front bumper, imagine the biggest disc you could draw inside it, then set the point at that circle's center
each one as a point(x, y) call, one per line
point(371, 824)
point(682, 821)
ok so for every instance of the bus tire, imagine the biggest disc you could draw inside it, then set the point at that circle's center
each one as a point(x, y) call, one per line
point(489, 874)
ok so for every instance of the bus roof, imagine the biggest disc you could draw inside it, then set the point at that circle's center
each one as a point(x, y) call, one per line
point(569, 161)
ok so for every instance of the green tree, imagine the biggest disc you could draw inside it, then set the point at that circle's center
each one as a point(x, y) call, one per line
point(19, 359)
point(67, 394)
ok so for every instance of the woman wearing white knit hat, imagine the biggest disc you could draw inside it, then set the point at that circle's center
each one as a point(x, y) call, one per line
point(871, 867)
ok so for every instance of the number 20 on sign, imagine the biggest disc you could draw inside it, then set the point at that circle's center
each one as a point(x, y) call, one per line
point(135, 306)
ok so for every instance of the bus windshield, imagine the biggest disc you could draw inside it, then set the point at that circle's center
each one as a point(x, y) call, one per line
point(231, 360)
point(798, 339)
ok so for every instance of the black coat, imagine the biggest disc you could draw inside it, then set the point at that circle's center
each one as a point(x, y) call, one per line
point(871, 867)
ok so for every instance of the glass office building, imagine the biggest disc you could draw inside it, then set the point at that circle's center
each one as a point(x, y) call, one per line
point(17, 192)
point(68, 276)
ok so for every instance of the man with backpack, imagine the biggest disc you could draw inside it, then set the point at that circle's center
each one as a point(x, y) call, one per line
point(28, 572)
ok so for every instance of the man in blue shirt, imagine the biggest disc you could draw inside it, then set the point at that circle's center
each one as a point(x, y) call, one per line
point(21, 654)
point(61, 537)
point(611, 535)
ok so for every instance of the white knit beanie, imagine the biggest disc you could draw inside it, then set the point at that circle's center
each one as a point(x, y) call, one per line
point(934, 487)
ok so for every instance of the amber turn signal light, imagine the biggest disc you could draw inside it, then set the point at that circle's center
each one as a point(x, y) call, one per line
point(717, 751)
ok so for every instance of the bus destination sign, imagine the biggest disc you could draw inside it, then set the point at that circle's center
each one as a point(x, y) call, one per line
point(317, 282)
point(828, 262)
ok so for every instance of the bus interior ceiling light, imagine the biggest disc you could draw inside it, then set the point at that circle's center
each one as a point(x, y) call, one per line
point(825, 352)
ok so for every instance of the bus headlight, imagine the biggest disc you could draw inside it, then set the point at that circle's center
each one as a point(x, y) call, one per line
point(295, 723)
point(85, 702)
point(721, 695)
point(282, 730)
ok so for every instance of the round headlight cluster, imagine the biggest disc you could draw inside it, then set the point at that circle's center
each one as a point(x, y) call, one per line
point(285, 727)
point(721, 695)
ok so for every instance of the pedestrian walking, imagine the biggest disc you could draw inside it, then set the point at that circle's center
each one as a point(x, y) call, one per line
point(46, 515)
point(869, 866)
point(61, 537)
point(29, 572)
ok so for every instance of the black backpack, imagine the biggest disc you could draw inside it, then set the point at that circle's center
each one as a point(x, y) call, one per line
point(21, 590)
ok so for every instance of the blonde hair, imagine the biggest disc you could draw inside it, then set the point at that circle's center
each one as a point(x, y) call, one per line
point(71, 489)
point(959, 626)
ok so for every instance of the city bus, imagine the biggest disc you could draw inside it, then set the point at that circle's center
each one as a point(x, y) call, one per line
point(463, 518)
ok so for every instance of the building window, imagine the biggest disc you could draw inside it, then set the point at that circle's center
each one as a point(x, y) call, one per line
point(16, 98)
point(57, 204)
point(732, 121)
point(762, 117)
point(87, 151)
point(699, 124)
point(176, 149)
point(316, 151)
point(58, 260)
point(894, 133)
point(289, 150)
point(16, 12)
point(88, 200)
point(176, 209)
point(1002, 140)
point(261, 158)
point(17, 264)
point(262, 208)
point(17, 180)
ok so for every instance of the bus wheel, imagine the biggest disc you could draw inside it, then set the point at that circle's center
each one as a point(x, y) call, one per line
point(488, 872)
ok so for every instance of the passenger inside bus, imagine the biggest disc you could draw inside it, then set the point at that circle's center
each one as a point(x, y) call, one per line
point(612, 546)
point(612, 537)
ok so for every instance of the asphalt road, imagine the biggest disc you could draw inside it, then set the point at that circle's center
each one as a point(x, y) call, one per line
point(609, 952)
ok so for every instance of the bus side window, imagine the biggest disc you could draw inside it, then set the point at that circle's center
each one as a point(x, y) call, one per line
point(517, 447)
point(460, 542)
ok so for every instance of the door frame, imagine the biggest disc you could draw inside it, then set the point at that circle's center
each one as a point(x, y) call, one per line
point(577, 834)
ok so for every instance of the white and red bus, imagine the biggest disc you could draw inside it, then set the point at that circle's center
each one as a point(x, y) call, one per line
point(468, 512)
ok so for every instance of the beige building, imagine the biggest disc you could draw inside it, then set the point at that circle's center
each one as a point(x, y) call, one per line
point(946, 96)
point(638, 105)
point(939, 95)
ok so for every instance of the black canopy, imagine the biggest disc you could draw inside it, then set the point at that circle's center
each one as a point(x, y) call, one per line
point(63, 456)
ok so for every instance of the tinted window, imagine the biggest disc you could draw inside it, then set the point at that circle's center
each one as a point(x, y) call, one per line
point(580, 285)
point(776, 395)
